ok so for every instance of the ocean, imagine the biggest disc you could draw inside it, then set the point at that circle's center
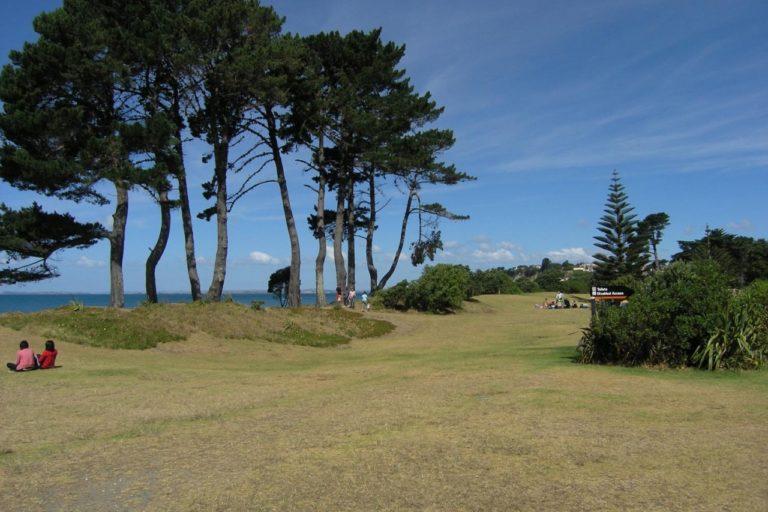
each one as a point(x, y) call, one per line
point(29, 302)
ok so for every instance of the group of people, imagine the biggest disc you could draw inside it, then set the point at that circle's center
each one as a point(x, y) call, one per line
point(27, 360)
point(560, 302)
point(349, 301)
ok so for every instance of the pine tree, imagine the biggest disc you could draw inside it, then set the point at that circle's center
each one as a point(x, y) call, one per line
point(30, 236)
point(623, 248)
point(652, 229)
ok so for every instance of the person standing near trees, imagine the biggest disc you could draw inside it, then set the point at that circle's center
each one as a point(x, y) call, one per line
point(364, 300)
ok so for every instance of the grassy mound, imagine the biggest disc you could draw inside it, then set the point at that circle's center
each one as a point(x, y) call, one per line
point(148, 325)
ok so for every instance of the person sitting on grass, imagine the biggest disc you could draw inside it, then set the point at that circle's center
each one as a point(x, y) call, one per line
point(25, 359)
point(48, 358)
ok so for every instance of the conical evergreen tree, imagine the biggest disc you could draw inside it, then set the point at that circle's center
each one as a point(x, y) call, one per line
point(623, 249)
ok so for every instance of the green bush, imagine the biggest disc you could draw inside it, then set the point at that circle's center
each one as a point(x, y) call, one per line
point(396, 297)
point(670, 316)
point(551, 280)
point(755, 296)
point(440, 289)
point(527, 285)
point(735, 342)
point(740, 339)
point(493, 281)
point(577, 282)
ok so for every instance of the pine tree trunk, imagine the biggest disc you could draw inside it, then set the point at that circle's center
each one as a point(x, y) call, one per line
point(294, 282)
point(338, 232)
point(157, 251)
point(321, 249)
point(117, 247)
point(221, 156)
point(350, 235)
point(403, 229)
point(372, 271)
point(186, 221)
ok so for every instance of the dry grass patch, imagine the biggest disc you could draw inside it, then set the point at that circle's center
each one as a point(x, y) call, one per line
point(483, 410)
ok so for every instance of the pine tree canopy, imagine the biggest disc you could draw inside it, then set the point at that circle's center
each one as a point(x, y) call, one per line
point(622, 248)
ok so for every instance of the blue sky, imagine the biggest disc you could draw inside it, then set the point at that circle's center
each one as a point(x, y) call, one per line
point(546, 99)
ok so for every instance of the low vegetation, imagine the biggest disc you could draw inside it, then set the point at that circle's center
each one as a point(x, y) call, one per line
point(685, 315)
point(151, 324)
point(440, 289)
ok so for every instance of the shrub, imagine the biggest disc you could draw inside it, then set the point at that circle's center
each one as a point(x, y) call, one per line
point(672, 313)
point(755, 296)
point(493, 281)
point(740, 340)
point(578, 282)
point(395, 297)
point(550, 280)
point(527, 285)
point(440, 289)
point(734, 342)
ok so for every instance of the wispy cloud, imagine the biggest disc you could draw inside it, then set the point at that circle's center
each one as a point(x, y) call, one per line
point(87, 262)
point(572, 254)
point(499, 255)
point(262, 258)
point(743, 225)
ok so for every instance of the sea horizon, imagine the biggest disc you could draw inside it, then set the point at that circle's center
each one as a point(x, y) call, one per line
point(28, 302)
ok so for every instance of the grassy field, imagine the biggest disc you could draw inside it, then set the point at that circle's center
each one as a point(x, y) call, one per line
point(483, 410)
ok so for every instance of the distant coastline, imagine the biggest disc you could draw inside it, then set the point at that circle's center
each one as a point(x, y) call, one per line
point(27, 302)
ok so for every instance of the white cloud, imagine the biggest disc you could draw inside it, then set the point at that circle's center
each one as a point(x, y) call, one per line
point(510, 246)
point(500, 252)
point(451, 244)
point(262, 258)
point(497, 256)
point(744, 225)
point(572, 254)
point(86, 262)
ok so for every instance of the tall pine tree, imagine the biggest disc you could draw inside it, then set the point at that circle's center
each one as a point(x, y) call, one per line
point(623, 248)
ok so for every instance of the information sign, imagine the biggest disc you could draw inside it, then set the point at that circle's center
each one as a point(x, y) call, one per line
point(610, 292)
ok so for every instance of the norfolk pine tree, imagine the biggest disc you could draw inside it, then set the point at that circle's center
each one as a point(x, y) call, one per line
point(623, 248)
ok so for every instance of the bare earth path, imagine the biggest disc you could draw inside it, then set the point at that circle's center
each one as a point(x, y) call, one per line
point(483, 410)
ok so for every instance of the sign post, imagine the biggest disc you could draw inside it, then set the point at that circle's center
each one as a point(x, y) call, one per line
point(617, 293)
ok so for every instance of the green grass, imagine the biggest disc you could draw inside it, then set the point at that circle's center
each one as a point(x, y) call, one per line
point(295, 335)
point(152, 324)
point(96, 327)
point(482, 410)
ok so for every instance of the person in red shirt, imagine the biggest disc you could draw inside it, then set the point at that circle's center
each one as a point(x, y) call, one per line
point(25, 359)
point(48, 358)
